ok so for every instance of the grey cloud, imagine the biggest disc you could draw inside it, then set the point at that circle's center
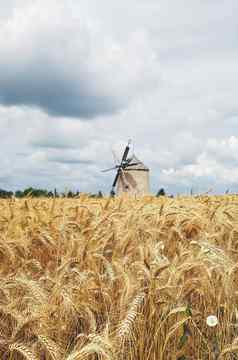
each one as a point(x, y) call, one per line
point(53, 142)
point(22, 154)
point(67, 67)
point(50, 91)
point(4, 179)
point(68, 160)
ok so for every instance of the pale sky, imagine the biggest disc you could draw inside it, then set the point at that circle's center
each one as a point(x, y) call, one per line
point(79, 78)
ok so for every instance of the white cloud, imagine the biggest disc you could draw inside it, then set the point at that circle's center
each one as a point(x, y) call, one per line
point(217, 165)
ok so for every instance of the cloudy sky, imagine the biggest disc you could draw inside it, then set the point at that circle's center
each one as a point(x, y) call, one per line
point(78, 78)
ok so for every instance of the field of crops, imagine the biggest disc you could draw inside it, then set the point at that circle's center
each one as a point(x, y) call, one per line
point(119, 278)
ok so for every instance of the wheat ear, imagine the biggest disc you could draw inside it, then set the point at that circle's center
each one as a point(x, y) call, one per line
point(24, 350)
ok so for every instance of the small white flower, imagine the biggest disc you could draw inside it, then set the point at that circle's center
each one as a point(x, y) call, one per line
point(212, 320)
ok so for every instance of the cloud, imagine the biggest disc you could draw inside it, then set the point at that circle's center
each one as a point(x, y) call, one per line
point(66, 66)
point(215, 167)
point(71, 157)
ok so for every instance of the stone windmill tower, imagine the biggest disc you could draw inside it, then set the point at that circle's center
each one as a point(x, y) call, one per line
point(132, 176)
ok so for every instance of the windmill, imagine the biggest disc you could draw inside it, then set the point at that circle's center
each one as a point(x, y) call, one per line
point(132, 176)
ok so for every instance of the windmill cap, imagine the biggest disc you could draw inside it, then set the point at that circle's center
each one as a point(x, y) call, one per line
point(138, 164)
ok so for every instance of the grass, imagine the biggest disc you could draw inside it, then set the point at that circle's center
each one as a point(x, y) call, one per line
point(119, 278)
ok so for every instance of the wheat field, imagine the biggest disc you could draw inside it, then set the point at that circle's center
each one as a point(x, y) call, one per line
point(119, 278)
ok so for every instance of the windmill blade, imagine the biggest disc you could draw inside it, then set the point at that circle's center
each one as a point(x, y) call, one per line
point(115, 157)
point(127, 149)
point(132, 164)
point(125, 154)
point(112, 168)
point(119, 172)
point(116, 178)
point(124, 180)
point(120, 167)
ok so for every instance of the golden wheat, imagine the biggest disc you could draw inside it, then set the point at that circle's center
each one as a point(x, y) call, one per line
point(119, 278)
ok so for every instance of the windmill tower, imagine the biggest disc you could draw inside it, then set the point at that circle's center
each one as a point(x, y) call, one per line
point(132, 176)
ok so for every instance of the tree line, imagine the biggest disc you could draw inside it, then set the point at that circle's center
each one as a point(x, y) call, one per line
point(34, 192)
